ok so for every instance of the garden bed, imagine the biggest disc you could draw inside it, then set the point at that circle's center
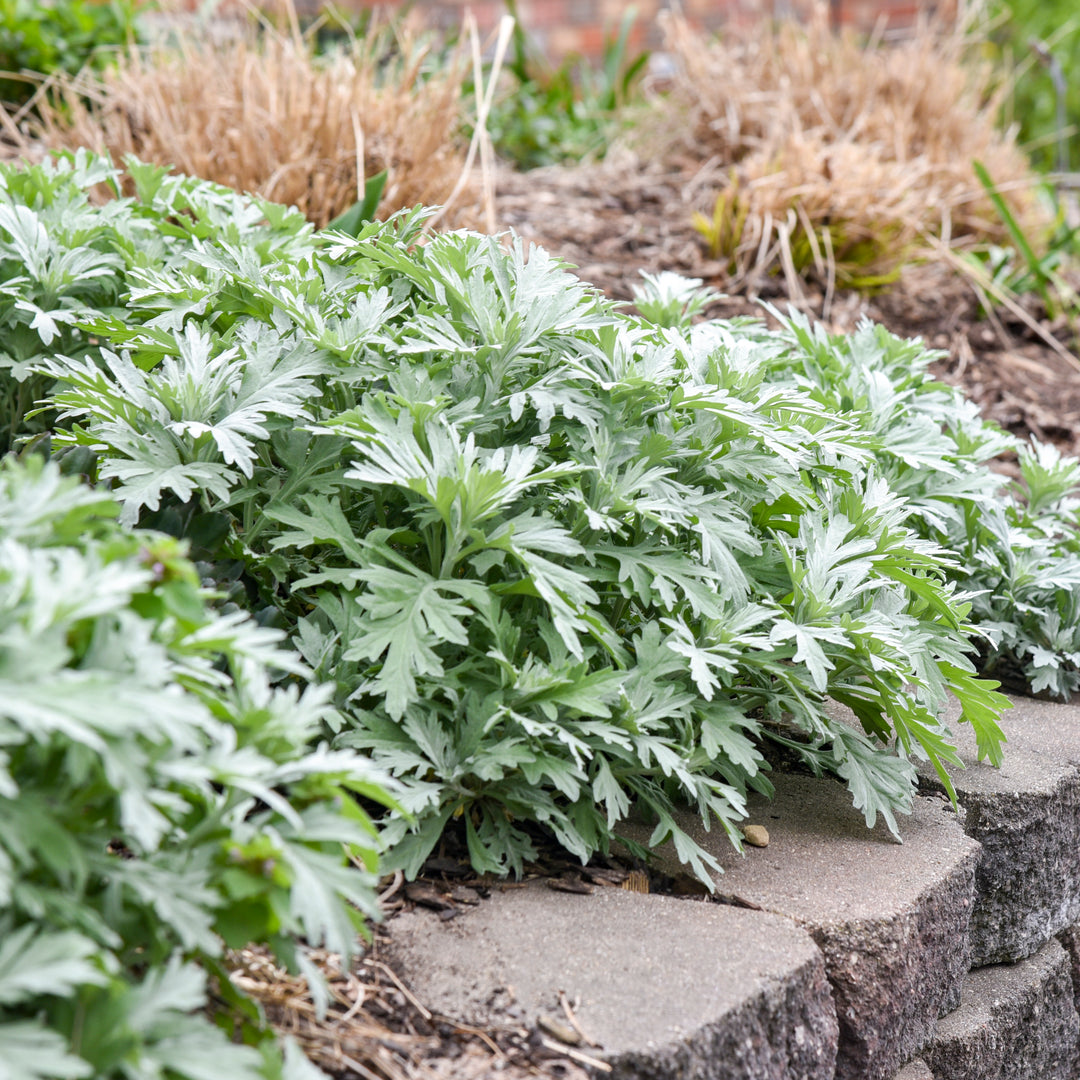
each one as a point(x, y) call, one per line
point(556, 567)
point(615, 219)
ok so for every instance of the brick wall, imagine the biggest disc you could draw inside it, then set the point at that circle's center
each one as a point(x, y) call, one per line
point(580, 26)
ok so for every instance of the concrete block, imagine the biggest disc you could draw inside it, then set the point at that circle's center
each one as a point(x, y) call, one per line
point(1070, 940)
point(1026, 815)
point(671, 989)
point(891, 919)
point(1015, 1022)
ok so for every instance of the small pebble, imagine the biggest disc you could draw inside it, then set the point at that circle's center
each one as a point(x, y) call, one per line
point(756, 835)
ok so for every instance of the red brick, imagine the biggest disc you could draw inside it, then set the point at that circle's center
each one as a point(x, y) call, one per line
point(541, 14)
point(561, 40)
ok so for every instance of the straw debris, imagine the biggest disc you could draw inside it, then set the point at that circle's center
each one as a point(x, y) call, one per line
point(370, 1025)
point(352, 1034)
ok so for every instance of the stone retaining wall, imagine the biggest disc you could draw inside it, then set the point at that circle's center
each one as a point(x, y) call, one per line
point(838, 953)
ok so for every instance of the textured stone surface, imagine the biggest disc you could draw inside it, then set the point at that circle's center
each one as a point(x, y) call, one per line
point(1070, 940)
point(1015, 1022)
point(915, 1070)
point(669, 988)
point(1026, 815)
point(891, 919)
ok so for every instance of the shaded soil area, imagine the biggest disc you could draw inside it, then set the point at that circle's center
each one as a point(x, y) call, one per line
point(610, 221)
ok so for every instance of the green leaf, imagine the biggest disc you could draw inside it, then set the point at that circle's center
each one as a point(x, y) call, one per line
point(296, 1065)
point(33, 1052)
point(324, 523)
point(690, 853)
point(879, 783)
point(196, 1050)
point(981, 706)
point(363, 211)
point(608, 791)
point(320, 881)
point(167, 991)
point(406, 618)
point(33, 963)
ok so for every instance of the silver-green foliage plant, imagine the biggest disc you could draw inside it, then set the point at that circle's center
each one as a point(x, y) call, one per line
point(1016, 543)
point(561, 564)
point(66, 261)
point(160, 800)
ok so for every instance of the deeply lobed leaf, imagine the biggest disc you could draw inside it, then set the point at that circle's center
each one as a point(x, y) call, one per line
point(562, 565)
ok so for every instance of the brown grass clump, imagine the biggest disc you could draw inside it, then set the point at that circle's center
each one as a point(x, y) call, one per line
point(263, 114)
point(842, 158)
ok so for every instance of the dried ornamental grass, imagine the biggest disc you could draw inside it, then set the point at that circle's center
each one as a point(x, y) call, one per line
point(840, 156)
point(266, 116)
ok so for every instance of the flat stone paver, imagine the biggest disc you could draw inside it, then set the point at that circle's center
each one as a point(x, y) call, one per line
point(891, 919)
point(1026, 815)
point(671, 989)
point(1015, 1022)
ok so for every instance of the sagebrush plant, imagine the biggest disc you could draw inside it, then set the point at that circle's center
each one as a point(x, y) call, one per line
point(162, 797)
point(1017, 550)
point(65, 261)
point(560, 564)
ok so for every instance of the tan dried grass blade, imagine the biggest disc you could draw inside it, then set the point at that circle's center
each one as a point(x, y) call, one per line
point(985, 284)
point(481, 140)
